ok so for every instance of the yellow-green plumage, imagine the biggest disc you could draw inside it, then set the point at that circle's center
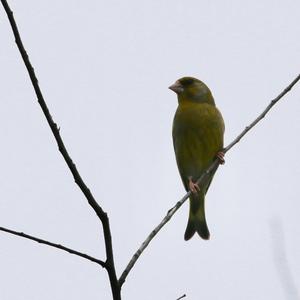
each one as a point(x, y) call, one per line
point(198, 130)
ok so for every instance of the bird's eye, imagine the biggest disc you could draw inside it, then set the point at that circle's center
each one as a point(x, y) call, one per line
point(187, 81)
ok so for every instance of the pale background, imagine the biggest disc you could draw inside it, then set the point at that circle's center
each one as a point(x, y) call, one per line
point(104, 68)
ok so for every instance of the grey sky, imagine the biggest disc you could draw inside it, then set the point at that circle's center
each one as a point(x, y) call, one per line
point(104, 68)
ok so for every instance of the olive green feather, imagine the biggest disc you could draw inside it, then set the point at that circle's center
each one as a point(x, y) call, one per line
point(198, 130)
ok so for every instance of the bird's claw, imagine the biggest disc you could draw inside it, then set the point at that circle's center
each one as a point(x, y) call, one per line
point(194, 187)
point(220, 156)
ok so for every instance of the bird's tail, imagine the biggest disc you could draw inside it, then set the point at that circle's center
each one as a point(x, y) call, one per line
point(197, 221)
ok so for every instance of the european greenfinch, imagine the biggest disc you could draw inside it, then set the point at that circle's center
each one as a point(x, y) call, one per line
point(198, 130)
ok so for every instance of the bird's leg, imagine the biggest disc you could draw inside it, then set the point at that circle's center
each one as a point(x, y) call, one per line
point(220, 156)
point(194, 187)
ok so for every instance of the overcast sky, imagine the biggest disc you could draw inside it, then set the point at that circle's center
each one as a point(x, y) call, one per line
point(104, 68)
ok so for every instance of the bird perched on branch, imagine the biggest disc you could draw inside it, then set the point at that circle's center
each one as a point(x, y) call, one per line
point(198, 130)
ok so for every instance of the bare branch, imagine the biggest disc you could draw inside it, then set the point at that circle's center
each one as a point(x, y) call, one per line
point(204, 176)
point(183, 296)
point(262, 115)
point(109, 265)
point(58, 246)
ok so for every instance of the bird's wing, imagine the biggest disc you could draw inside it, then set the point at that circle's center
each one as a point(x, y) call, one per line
point(197, 137)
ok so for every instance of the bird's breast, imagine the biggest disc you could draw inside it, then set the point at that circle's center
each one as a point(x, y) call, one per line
point(197, 137)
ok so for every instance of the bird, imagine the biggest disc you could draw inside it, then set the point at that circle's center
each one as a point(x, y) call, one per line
point(198, 134)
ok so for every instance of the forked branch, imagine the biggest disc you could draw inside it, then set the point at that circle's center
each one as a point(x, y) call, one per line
point(109, 264)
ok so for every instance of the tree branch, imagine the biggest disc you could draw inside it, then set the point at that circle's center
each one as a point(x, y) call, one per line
point(211, 169)
point(58, 246)
point(109, 264)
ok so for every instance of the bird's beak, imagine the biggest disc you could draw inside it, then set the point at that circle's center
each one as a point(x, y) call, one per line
point(176, 87)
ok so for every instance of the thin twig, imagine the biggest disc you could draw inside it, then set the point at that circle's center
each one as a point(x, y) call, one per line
point(203, 177)
point(262, 115)
point(109, 265)
point(58, 246)
point(181, 297)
